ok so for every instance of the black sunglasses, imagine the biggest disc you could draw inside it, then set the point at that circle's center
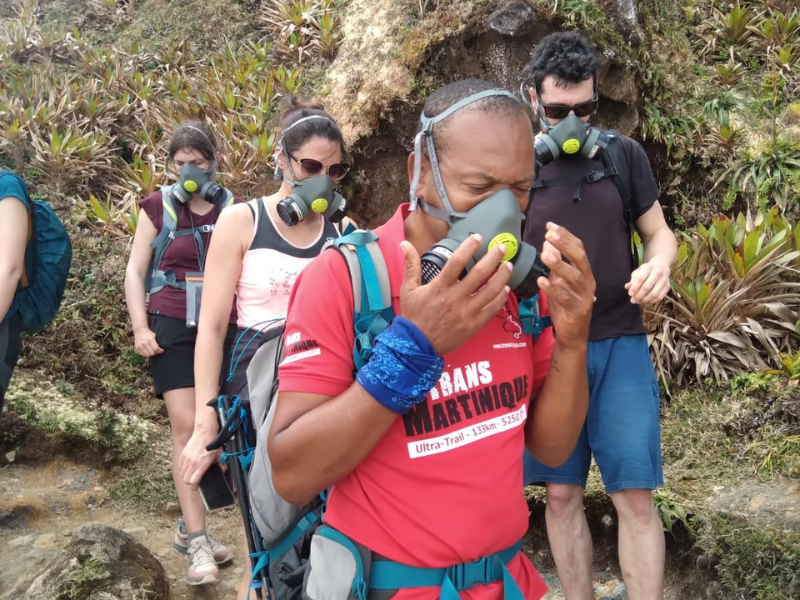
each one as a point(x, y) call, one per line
point(313, 167)
point(561, 111)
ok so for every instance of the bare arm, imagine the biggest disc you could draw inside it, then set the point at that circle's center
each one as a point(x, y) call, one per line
point(558, 412)
point(223, 268)
point(135, 294)
point(659, 241)
point(315, 440)
point(14, 238)
point(650, 282)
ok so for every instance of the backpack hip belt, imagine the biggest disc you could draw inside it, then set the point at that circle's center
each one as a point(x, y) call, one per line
point(390, 575)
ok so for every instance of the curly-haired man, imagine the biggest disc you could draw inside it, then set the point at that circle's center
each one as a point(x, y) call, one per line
point(599, 185)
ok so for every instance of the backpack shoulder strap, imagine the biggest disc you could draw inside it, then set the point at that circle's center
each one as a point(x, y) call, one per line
point(614, 158)
point(372, 296)
point(229, 199)
point(158, 278)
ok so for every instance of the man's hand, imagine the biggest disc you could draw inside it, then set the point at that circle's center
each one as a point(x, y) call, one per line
point(449, 310)
point(649, 283)
point(570, 287)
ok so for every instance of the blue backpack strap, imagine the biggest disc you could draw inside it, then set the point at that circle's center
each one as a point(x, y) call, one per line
point(372, 296)
point(532, 323)
point(229, 199)
point(390, 575)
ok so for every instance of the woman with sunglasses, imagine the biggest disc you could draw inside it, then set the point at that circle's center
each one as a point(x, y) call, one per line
point(256, 257)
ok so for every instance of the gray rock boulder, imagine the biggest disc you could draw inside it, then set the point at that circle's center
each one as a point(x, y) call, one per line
point(515, 19)
point(99, 563)
point(629, 11)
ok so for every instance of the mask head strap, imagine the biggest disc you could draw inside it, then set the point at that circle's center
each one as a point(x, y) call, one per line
point(448, 214)
point(282, 146)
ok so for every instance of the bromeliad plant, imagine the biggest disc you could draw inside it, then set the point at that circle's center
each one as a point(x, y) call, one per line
point(302, 29)
point(734, 300)
point(98, 123)
point(772, 175)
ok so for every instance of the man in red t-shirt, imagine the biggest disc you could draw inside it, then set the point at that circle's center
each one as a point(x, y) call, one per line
point(430, 474)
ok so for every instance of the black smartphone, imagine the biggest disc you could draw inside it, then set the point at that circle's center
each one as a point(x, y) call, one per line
point(214, 489)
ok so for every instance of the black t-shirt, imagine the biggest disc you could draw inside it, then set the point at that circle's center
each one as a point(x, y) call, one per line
point(599, 222)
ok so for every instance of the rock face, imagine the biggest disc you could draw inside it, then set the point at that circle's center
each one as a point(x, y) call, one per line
point(771, 504)
point(513, 20)
point(629, 11)
point(99, 563)
point(392, 58)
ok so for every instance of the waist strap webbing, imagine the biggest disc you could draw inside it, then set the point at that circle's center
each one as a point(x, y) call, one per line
point(390, 575)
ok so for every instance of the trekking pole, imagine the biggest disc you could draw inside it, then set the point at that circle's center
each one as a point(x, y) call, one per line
point(232, 439)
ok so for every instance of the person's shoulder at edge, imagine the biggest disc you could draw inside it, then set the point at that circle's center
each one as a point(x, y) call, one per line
point(13, 187)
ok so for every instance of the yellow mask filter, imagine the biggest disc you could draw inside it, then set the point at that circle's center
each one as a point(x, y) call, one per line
point(571, 146)
point(190, 186)
point(320, 205)
point(509, 241)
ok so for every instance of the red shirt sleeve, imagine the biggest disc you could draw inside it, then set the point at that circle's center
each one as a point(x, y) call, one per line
point(542, 349)
point(319, 329)
point(151, 205)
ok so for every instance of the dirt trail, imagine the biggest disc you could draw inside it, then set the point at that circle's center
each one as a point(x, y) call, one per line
point(42, 502)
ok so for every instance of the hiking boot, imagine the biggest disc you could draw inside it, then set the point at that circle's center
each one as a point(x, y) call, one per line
point(181, 543)
point(202, 566)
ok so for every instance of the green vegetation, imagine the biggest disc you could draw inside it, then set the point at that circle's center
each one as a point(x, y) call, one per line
point(734, 301)
point(723, 81)
point(41, 406)
point(148, 486)
point(80, 583)
point(90, 91)
point(754, 563)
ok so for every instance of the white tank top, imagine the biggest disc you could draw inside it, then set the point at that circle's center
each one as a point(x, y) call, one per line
point(271, 266)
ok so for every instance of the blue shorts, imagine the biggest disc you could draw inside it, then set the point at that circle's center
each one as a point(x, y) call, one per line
point(622, 426)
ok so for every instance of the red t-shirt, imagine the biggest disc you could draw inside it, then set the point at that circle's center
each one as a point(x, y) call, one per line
point(182, 255)
point(444, 485)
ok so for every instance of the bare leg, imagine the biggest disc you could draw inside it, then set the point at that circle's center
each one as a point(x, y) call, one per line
point(570, 540)
point(641, 544)
point(180, 408)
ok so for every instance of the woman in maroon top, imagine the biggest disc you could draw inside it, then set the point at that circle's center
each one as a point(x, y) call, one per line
point(163, 331)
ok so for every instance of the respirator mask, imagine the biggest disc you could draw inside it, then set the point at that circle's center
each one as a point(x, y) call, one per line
point(313, 194)
point(193, 179)
point(570, 135)
point(497, 218)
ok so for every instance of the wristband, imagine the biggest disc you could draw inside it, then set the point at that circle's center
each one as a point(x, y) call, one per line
point(403, 367)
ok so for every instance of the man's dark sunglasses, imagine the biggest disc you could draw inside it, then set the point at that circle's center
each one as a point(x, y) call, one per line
point(561, 111)
point(313, 167)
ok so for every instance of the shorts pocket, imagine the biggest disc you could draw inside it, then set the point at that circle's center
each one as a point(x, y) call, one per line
point(153, 323)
